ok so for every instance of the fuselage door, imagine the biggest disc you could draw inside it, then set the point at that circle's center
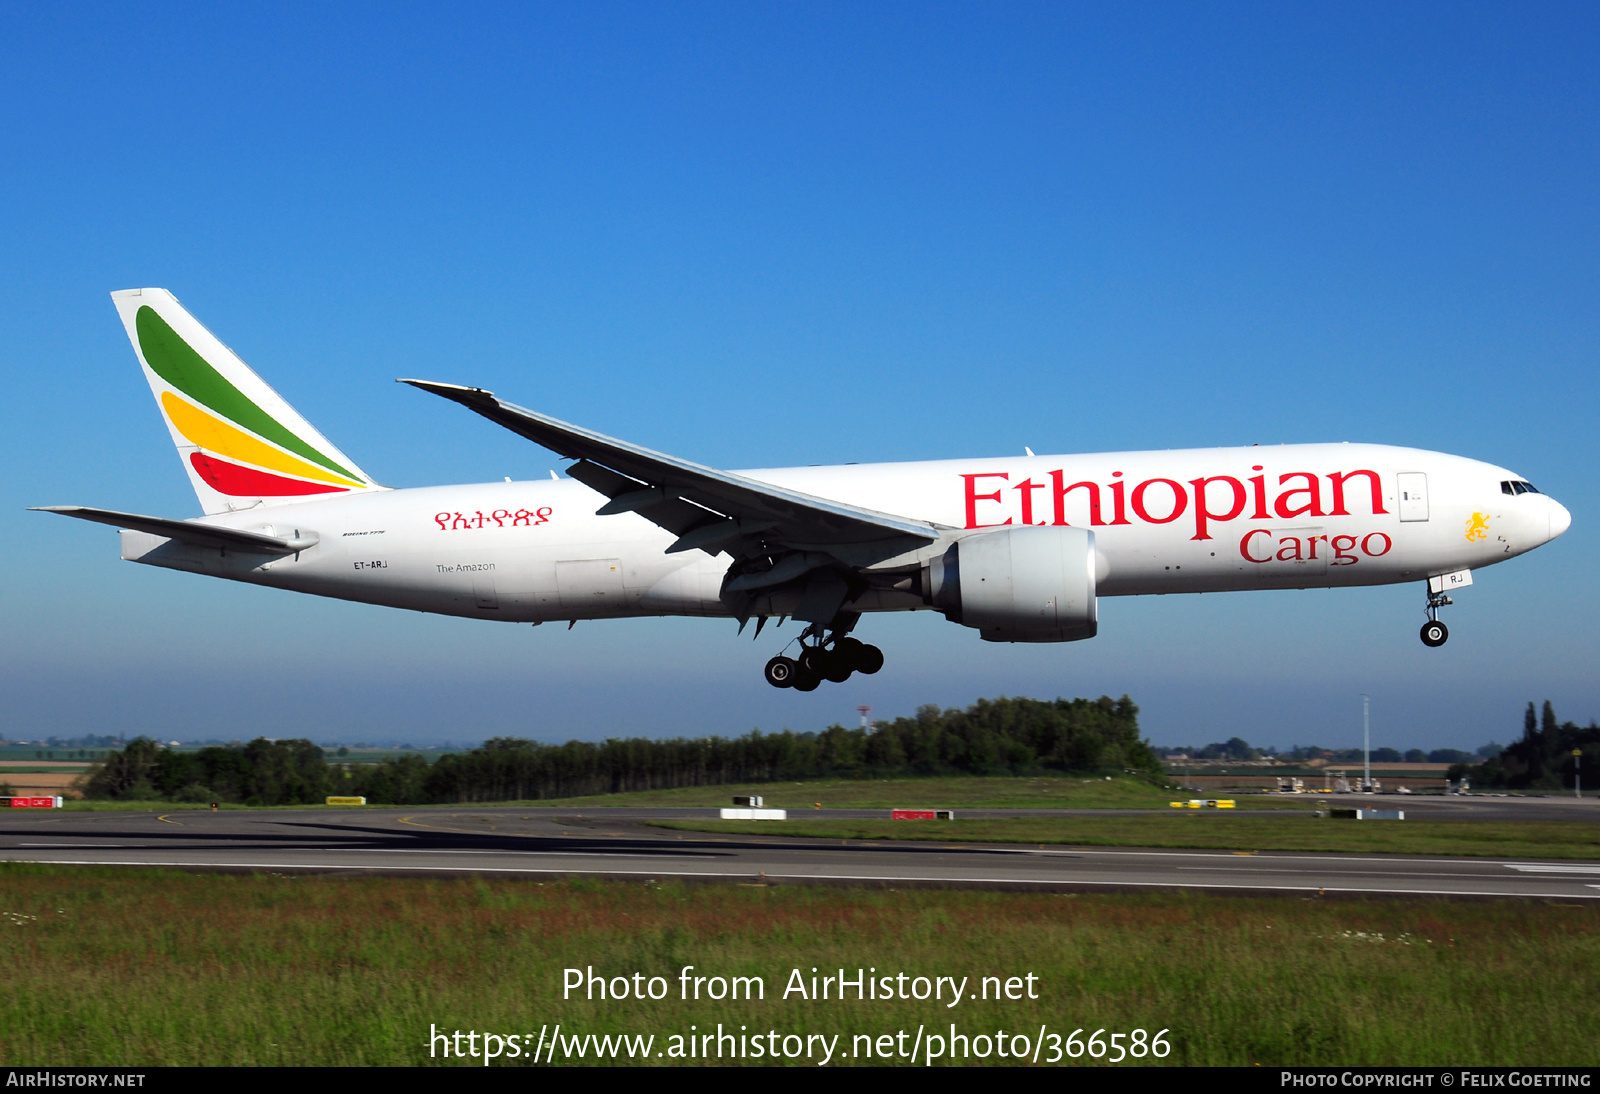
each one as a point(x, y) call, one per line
point(483, 593)
point(591, 585)
point(1413, 495)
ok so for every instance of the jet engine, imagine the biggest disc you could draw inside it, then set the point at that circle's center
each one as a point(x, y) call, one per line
point(1018, 584)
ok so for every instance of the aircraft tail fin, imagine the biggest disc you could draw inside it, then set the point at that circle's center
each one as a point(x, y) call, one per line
point(241, 443)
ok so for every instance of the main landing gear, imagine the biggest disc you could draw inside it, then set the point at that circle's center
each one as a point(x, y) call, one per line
point(1435, 633)
point(832, 658)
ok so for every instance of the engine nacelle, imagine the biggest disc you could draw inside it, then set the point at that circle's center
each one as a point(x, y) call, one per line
point(1018, 584)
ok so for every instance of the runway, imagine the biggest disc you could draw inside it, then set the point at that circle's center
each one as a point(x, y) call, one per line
point(616, 843)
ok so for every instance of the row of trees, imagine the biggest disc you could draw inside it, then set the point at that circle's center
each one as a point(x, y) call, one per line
point(1542, 759)
point(1000, 736)
point(262, 772)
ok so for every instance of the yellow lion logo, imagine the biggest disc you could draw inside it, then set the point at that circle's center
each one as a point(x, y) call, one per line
point(1478, 527)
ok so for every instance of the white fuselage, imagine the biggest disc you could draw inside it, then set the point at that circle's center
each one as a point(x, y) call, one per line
point(1199, 520)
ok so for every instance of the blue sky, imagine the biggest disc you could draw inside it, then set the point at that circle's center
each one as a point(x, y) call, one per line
point(756, 235)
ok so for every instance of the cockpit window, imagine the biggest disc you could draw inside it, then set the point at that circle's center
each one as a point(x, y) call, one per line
point(1529, 487)
point(1505, 488)
point(1518, 486)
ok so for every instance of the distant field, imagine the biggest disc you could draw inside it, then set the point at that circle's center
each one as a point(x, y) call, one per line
point(150, 968)
point(378, 755)
point(55, 782)
point(71, 755)
point(1575, 839)
point(48, 758)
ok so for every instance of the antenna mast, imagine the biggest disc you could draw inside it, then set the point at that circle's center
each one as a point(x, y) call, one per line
point(1366, 743)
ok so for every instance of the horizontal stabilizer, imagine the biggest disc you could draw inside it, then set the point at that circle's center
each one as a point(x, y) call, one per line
point(188, 531)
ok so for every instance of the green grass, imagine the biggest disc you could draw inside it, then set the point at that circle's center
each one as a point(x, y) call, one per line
point(96, 806)
point(1234, 832)
point(944, 792)
point(147, 968)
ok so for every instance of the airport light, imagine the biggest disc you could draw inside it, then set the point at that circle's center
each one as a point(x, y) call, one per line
point(1366, 744)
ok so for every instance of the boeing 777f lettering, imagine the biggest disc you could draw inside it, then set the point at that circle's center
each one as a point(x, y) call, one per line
point(1019, 549)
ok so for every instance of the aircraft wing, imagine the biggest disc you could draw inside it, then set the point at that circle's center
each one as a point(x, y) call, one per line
point(188, 531)
point(705, 508)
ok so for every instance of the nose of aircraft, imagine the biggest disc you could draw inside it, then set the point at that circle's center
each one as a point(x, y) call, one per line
point(1560, 519)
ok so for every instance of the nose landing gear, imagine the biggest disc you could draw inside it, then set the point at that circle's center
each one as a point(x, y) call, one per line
point(1435, 633)
point(834, 658)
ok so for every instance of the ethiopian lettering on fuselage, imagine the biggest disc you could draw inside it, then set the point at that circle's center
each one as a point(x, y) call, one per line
point(1207, 501)
point(499, 518)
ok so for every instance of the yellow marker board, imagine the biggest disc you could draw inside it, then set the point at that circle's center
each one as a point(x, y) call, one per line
point(347, 801)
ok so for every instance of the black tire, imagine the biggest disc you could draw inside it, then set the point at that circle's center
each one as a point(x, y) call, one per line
point(869, 660)
point(805, 680)
point(826, 664)
point(836, 667)
point(780, 672)
point(851, 654)
point(1435, 633)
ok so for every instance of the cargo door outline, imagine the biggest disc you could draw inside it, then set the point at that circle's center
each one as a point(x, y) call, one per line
point(590, 585)
point(1412, 487)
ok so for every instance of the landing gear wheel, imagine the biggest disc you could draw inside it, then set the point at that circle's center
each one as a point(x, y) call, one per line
point(858, 655)
point(826, 664)
point(1434, 633)
point(836, 667)
point(805, 680)
point(848, 657)
point(869, 660)
point(780, 672)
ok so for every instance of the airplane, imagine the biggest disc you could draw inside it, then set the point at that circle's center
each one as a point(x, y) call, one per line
point(1019, 549)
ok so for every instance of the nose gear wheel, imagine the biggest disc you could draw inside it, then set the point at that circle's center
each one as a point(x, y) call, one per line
point(1435, 633)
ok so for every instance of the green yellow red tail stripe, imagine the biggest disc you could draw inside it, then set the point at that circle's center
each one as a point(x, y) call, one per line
point(176, 362)
point(246, 482)
point(215, 435)
point(237, 437)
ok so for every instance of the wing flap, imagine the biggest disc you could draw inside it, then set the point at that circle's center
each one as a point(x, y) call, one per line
point(670, 512)
point(700, 497)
